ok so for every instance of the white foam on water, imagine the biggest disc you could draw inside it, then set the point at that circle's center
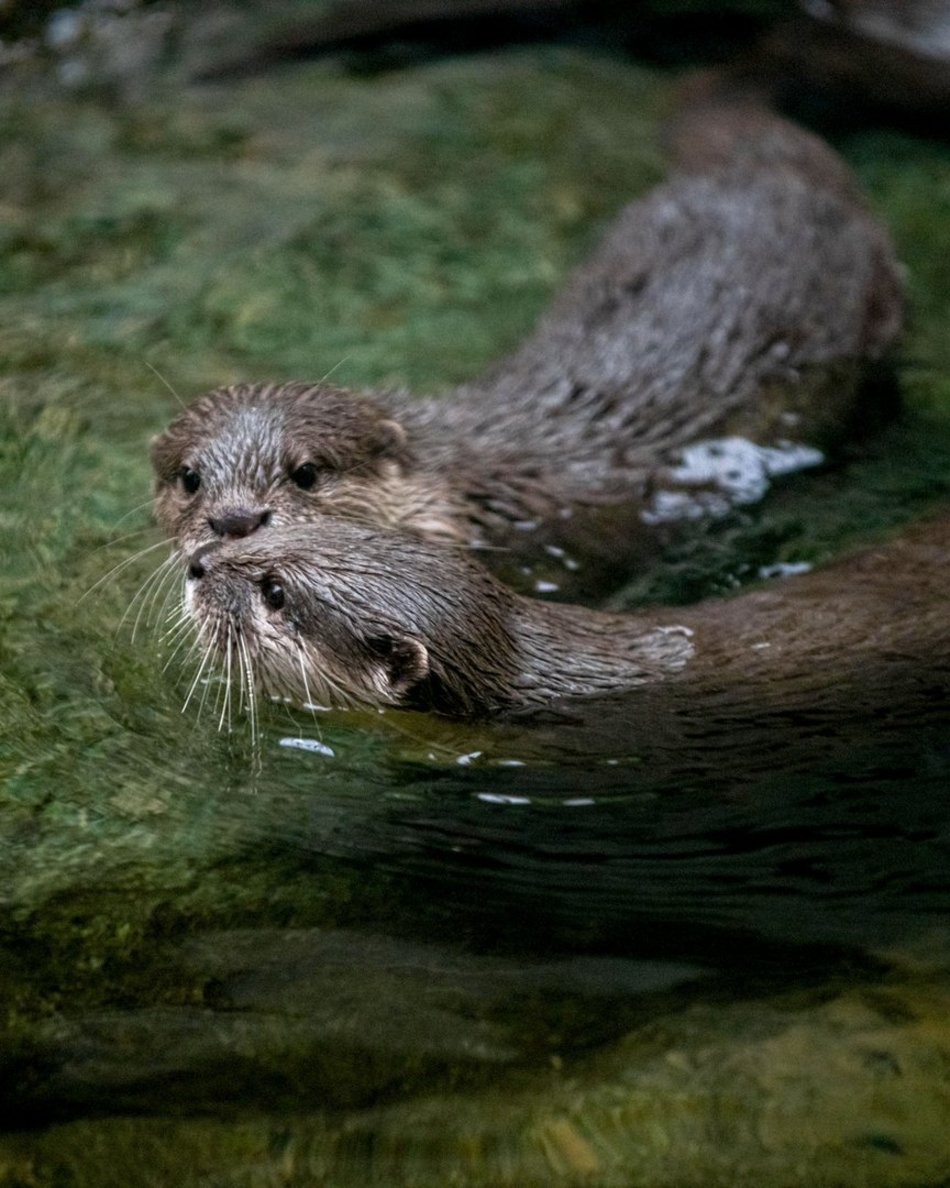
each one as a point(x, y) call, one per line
point(309, 744)
point(784, 569)
point(731, 470)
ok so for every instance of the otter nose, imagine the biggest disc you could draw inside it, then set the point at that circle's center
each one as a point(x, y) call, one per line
point(238, 522)
point(198, 565)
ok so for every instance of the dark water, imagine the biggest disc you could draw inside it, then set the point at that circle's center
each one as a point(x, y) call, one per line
point(443, 913)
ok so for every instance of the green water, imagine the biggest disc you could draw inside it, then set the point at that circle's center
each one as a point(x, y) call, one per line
point(423, 953)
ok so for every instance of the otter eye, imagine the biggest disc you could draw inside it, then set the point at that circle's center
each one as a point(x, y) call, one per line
point(304, 476)
point(272, 592)
point(190, 479)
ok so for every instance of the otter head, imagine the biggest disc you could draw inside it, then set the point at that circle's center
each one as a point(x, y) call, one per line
point(335, 613)
point(257, 456)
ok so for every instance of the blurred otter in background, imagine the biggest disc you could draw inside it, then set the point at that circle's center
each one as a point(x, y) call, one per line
point(744, 300)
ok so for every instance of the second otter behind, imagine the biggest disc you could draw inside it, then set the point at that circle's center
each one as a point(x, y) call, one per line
point(747, 295)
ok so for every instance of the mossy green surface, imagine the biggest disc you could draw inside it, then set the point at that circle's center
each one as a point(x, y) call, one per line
point(396, 230)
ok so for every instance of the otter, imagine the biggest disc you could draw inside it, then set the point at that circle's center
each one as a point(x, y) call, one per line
point(339, 613)
point(750, 294)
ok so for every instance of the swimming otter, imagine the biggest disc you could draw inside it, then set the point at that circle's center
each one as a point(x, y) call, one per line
point(744, 296)
point(335, 612)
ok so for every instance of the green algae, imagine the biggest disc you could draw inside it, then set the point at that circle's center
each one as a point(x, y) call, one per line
point(403, 230)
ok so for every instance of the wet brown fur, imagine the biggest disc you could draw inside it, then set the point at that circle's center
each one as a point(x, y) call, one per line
point(376, 617)
point(748, 294)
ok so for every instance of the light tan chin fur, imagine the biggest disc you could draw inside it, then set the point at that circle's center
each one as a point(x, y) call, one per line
point(306, 675)
point(269, 661)
point(308, 680)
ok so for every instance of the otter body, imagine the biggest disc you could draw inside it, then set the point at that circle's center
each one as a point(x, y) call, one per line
point(745, 296)
point(356, 615)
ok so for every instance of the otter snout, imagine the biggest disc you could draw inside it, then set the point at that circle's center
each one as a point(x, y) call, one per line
point(239, 522)
point(200, 561)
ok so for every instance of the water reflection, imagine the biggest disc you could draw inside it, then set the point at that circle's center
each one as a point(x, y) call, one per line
point(847, 848)
point(374, 932)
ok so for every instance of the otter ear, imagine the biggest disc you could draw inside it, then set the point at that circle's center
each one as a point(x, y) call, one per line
point(389, 438)
point(164, 455)
point(404, 661)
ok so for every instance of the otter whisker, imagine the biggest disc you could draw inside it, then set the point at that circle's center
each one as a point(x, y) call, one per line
point(219, 691)
point(238, 689)
point(196, 681)
point(124, 564)
point(308, 704)
point(335, 367)
point(165, 610)
point(177, 637)
point(247, 692)
point(239, 676)
point(181, 639)
point(207, 682)
point(142, 595)
point(248, 673)
point(208, 653)
point(149, 593)
point(230, 696)
point(158, 375)
point(205, 648)
point(303, 676)
point(140, 598)
point(117, 540)
point(330, 692)
point(179, 622)
point(229, 678)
